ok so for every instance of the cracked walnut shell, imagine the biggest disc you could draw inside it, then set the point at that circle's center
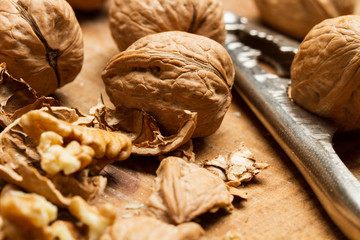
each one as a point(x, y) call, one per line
point(131, 20)
point(167, 73)
point(41, 42)
point(296, 18)
point(325, 77)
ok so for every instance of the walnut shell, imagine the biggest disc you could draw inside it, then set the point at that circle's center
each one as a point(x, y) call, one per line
point(324, 74)
point(296, 18)
point(132, 19)
point(167, 73)
point(86, 5)
point(41, 42)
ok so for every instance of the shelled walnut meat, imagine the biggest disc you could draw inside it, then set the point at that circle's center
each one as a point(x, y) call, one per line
point(41, 42)
point(131, 20)
point(296, 18)
point(58, 158)
point(325, 77)
point(165, 74)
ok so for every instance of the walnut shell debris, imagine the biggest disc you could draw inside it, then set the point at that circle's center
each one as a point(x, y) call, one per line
point(17, 98)
point(147, 139)
point(41, 42)
point(235, 167)
point(131, 20)
point(167, 73)
point(184, 191)
point(324, 74)
point(296, 18)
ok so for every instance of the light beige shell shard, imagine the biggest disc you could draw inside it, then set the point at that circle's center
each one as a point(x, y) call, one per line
point(167, 73)
point(324, 74)
point(143, 227)
point(41, 42)
point(297, 17)
point(131, 20)
point(236, 167)
point(184, 191)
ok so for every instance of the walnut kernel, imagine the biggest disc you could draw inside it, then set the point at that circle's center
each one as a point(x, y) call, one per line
point(97, 219)
point(56, 158)
point(26, 215)
point(105, 144)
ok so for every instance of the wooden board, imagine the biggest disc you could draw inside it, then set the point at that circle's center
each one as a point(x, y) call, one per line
point(280, 204)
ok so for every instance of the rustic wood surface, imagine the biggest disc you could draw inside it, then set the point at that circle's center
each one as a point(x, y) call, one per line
point(280, 203)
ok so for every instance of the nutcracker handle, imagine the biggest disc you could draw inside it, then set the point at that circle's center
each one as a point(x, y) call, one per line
point(306, 138)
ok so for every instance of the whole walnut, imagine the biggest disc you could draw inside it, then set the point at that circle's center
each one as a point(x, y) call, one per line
point(86, 5)
point(325, 76)
point(132, 19)
point(297, 17)
point(167, 73)
point(41, 42)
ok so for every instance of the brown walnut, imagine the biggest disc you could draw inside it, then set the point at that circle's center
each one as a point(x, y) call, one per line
point(325, 77)
point(167, 73)
point(86, 5)
point(297, 17)
point(41, 42)
point(132, 19)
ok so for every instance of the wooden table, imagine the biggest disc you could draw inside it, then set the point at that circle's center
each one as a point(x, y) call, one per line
point(280, 203)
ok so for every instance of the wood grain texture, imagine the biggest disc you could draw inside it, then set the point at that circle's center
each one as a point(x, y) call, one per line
point(280, 204)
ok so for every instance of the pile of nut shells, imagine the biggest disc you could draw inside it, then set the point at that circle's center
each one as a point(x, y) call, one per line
point(169, 83)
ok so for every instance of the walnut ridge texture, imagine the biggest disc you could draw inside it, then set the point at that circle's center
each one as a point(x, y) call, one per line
point(41, 42)
point(131, 20)
point(296, 18)
point(324, 74)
